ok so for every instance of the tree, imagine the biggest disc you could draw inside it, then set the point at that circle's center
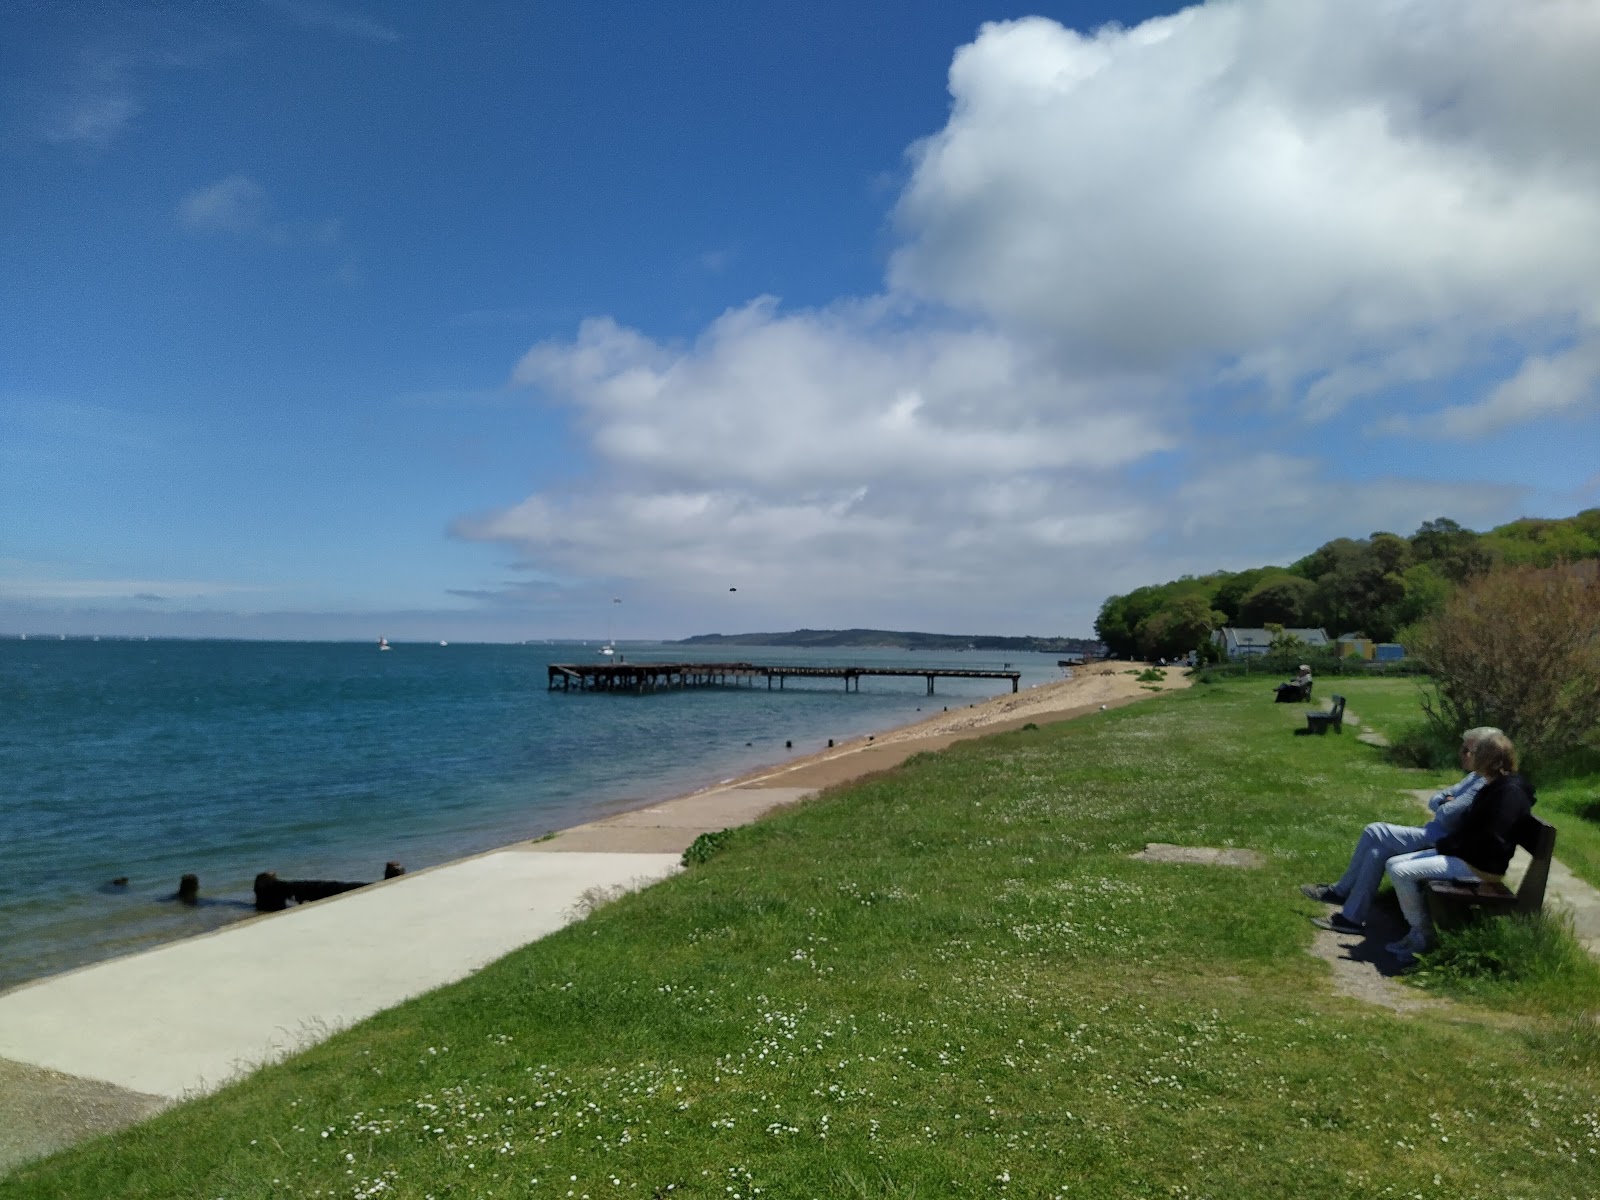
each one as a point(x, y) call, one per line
point(1182, 626)
point(1455, 553)
point(1518, 648)
point(1280, 598)
point(1232, 589)
point(1361, 584)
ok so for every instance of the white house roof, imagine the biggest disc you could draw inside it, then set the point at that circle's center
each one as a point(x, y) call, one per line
point(1263, 638)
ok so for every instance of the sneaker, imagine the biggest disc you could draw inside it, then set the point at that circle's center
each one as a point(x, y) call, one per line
point(1321, 891)
point(1337, 922)
point(1408, 947)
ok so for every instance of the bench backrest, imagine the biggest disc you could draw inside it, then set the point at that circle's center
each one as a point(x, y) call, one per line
point(1337, 711)
point(1538, 838)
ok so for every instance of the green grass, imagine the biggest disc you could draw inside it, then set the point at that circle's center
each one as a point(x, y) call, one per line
point(1528, 961)
point(949, 980)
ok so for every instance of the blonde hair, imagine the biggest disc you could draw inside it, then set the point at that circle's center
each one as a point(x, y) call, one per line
point(1494, 756)
point(1473, 736)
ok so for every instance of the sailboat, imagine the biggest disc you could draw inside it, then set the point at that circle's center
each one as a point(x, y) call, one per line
point(609, 650)
point(383, 644)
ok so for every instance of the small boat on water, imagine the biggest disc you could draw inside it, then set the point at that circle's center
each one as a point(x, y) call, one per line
point(383, 644)
point(608, 650)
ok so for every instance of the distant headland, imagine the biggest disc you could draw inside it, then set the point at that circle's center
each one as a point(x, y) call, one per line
point(896, 638)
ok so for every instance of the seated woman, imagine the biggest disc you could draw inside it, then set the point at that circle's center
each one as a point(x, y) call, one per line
point(1480, 847)
point(1297, 689)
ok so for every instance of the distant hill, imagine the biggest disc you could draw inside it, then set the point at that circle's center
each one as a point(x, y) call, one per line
point(895, 638)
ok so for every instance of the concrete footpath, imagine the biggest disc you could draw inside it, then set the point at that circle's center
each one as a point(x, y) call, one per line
point(101, 1047)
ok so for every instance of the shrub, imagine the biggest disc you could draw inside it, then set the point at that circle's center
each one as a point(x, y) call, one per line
point(703, 847)
point(1520, 649)
point(1535, 951)
point(1423, 744)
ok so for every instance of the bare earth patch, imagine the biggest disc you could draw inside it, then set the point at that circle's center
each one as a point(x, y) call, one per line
point(42, 1111)
point(1206, 856)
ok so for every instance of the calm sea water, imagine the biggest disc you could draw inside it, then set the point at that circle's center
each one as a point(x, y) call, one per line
point(319, 760)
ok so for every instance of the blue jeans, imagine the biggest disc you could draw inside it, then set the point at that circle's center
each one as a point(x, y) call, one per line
point(1408, 872)
point(1378, 843)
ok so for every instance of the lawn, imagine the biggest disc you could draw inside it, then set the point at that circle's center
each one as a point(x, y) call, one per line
point(948, 980)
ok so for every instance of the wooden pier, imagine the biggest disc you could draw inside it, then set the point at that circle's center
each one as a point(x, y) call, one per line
point(652, 677)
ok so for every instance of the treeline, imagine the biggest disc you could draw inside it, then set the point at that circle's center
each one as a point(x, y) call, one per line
point(894, 638)
point(1375, 586)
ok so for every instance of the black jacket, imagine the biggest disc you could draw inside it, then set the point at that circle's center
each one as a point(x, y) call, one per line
point(1487, 835)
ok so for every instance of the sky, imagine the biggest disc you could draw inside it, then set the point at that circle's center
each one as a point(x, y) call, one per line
point(464, 321)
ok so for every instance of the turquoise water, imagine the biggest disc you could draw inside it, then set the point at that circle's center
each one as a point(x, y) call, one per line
point(324, 760)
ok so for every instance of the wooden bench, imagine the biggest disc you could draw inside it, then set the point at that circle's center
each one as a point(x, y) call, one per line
point(1321, 722)
point(1293, 693)
point(1450, 901)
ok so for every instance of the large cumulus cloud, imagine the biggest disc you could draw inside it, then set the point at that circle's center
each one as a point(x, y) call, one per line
point(1245, 215)
point(1307, 190)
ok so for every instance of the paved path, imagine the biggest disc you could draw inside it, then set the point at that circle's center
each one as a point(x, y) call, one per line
point(187, 1017)
point(101, 1047)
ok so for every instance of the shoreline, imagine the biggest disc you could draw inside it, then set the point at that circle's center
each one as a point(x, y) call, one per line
point(110, 1043)
point(1104, 682)
point(1103, 685)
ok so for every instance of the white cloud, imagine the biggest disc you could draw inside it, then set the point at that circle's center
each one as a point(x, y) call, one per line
point(1284, 506)
point(236, 204)
point(1326, 203)
point(839, 397)
point(1282, 183)
point(38, 589)
point(96, 103)
point(1561, 384)
point(239, 205)
point(322, 16)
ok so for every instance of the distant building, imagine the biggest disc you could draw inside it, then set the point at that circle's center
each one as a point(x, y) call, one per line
point(1252, 643)
point(1389, 652)
point(1351, 646)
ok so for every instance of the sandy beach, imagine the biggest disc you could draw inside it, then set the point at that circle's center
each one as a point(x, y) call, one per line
point(110, 1043)
point(1107, 684)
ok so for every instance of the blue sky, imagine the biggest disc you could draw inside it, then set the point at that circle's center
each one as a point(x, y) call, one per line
point(331, 321)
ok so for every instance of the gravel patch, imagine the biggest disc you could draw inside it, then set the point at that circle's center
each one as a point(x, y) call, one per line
point(43, 1111)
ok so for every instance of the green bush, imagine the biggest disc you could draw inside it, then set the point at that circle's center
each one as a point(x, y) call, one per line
point(1535, 954)
point(1423, 744)
point(705, 846)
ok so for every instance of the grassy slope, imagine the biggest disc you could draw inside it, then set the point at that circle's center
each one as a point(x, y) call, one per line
point(949, 980)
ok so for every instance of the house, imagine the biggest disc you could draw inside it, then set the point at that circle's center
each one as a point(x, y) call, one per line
point(1252, 643)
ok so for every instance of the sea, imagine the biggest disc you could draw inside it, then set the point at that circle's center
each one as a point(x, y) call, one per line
point(147, 760)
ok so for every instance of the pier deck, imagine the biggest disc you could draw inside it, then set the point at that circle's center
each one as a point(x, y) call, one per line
point(650, 677)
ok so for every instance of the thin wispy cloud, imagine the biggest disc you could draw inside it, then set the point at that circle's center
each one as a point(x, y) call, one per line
point(95, 104)
point(238, 205)
point(45, 588)
point(92, 87)
point(336, 20)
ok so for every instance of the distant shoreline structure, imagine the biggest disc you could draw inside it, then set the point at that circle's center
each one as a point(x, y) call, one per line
point(899, 639)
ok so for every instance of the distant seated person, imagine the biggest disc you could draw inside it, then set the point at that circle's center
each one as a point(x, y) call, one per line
point(1357, 888)
point(1479, 848)
point(1296, 689)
